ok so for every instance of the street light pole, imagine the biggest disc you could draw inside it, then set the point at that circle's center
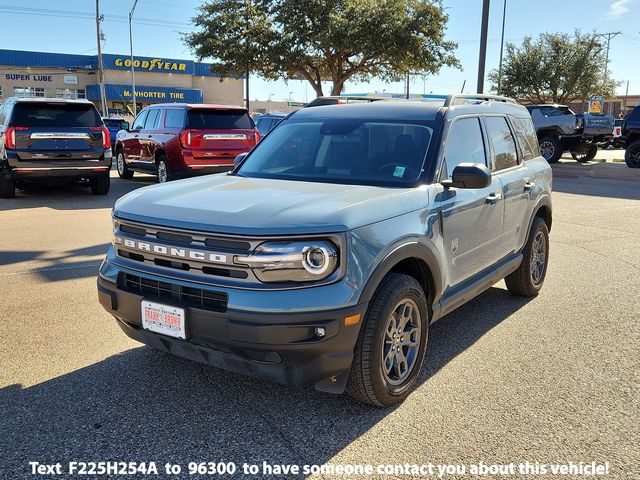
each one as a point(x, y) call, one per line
point(504, 16)
point(133, 75)
point(483, 46)
point(270, 108)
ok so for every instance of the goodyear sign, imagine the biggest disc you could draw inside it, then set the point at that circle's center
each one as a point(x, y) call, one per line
point(148, 64)
point(596, 103)
point(146, 94)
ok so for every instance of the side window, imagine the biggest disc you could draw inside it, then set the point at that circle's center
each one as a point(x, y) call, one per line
point(526, 135)
point(174, 118)
point(504, 146)
point(138, 123)
point(464, 144)
point(152, 119)
point(2, 114)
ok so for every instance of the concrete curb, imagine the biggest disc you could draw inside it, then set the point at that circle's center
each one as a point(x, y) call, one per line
point(606, 170)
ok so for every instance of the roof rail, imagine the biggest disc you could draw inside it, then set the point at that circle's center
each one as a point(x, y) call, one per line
point(455, 99)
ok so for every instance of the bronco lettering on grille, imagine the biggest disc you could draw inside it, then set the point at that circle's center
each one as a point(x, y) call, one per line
point(168, 251)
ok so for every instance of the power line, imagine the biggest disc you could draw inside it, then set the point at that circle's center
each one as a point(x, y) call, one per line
point(608, 36)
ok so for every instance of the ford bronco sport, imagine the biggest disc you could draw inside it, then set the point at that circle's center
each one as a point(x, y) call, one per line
point(324, 256)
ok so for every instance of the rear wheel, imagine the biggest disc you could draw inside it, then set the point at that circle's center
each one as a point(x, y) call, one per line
point(632, 155)
point(101, 185)
point(7, 187)
point(121, 165)
point(392, 343)
point(163, 173)
point(587, 155)
point(527, 280)
point(551, 148)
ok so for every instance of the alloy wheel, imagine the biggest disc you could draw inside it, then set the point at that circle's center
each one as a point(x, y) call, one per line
point(401, 342)
point(120, 163)
point(547, 149)
point(538, 258)
point(162, 172)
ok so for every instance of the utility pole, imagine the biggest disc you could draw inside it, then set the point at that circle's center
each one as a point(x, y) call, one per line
point(483, 45)
point(504, 16)
point(133, 75)
point(103, 100)
point(608, 36)
point(407, 89)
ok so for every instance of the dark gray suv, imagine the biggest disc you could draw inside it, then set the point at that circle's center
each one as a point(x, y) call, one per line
point(326, 254)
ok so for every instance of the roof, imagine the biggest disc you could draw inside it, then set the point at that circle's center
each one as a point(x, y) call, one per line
point(47, 100)
point(198, 105)
point(415, 109)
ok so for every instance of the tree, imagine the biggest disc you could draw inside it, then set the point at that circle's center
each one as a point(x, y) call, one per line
point(557, 67)
point(320, 40)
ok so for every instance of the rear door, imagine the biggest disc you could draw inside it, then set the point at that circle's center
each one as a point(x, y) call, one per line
point(57, 131)
point(218, 133)
point(147, 138)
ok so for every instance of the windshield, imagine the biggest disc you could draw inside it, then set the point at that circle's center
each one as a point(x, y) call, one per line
point(365, 152)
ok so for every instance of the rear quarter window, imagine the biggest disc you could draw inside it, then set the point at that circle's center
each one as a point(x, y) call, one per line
point(210, 119)
point(39, 114)
point(527, 138)
point(174, 118)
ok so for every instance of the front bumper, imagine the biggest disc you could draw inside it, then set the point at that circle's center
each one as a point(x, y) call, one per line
point(280, 347)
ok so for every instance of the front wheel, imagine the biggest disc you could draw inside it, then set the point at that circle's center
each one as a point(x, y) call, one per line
point(163, 173)
point(392, 343)
point(123, 169)
point(527, 280)
point(585, 156)
point(551, 148)
point(632, 155)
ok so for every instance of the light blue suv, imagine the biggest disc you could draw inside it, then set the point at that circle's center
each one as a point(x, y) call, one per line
point(333, 245)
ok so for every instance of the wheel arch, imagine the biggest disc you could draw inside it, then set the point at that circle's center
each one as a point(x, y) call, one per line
point(412, 258)
point(543, 210)
point(159, 153)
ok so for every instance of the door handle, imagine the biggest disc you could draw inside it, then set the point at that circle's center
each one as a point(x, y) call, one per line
point(493, 198)
point(529, 186)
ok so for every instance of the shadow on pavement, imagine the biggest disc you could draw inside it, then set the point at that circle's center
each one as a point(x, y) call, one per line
point(595, 187)
point(77, 263)
point(71, 197)
point(143, 405)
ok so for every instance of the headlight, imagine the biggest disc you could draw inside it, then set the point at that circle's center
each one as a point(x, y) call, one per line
point(304, 261)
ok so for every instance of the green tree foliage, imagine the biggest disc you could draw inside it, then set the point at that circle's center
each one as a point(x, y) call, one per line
point(556, 67)
point(320, 40)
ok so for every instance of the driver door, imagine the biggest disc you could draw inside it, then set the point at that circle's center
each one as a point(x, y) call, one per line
point(472, 219)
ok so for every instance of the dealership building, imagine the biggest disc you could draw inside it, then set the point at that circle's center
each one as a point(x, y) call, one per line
point(158, 79)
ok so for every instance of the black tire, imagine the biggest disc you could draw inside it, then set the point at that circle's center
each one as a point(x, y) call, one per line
point(587, 156)
point(368, 381)
point(523, 282)
point(121, 166)
point(7, 187)
point(632, 155)
point(101, 185)
point(551, 148)
point(163, 172)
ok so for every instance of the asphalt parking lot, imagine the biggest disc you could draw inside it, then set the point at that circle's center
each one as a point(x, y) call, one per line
point(553, 379)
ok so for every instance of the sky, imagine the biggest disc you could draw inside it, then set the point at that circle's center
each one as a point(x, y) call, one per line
point(68, 26)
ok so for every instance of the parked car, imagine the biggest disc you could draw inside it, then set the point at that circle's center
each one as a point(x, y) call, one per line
point(630, 138)
point(114, 125)
point(326, 254)
point(265, 123)
point(560, 130)
point(53, 140)
point(184, 140)
point(617, 133)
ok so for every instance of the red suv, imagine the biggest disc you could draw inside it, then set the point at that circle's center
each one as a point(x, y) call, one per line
point(182, 140)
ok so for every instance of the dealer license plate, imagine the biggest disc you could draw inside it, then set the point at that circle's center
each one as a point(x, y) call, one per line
point(163, 319)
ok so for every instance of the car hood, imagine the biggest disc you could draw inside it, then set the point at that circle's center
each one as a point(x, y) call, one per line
point(255, 206)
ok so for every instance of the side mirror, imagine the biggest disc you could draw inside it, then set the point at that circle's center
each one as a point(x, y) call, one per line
point(124, 125)
point(469, 175)
point(238, 160)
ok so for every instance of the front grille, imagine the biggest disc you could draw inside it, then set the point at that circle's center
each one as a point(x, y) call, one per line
point(187, 296)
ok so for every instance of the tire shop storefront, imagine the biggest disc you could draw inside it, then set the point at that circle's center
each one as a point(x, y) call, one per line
point(158, 80)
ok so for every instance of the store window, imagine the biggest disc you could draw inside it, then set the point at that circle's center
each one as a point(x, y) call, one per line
point(72, 93)
point(28, 92)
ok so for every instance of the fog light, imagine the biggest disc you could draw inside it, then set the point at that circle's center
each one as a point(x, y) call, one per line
point(320, 332)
